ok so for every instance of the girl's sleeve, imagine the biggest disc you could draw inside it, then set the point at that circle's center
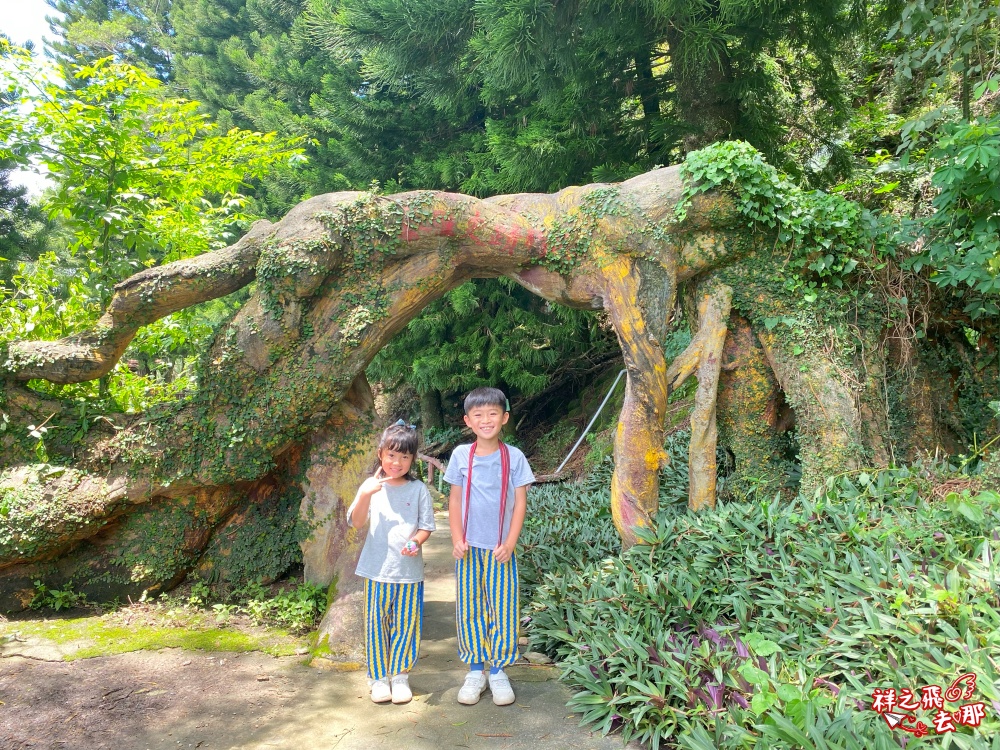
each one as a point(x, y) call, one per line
point(426, 515)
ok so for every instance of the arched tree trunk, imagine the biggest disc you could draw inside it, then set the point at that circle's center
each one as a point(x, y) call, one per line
point(335, 280)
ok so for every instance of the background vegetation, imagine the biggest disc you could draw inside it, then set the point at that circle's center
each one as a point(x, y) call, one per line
point(770, 625)
point(170, 126)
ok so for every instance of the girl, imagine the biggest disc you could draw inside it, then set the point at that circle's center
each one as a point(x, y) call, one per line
point(400, 519)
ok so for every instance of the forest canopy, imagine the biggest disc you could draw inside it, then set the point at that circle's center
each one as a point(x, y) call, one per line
point(891, 104)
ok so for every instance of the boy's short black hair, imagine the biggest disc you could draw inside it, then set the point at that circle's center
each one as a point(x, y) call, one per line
point(486, 396)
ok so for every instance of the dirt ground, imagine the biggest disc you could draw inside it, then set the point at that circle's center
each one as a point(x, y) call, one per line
point(175, 698)
point(170, 698)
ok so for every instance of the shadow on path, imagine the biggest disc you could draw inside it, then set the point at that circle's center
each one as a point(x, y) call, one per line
point(177, 699)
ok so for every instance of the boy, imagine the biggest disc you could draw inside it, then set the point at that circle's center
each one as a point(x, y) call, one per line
point(486, 518)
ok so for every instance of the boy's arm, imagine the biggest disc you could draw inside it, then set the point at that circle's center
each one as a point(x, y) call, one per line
point(505, 550)
point(459, 546)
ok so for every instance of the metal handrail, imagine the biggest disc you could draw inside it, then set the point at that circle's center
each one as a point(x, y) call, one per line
point(594, 419)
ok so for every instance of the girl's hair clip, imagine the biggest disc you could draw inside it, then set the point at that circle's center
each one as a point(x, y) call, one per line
point(401, 423)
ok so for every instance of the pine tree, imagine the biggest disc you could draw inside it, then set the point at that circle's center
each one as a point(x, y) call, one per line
point(600, 87)
point(257, 64)
point(204, 30)
point(489, 332)
point(130, 31)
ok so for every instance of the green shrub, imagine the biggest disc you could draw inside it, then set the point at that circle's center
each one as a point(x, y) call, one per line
point(568, 525)
point(297, 609)
point(553, 446)
point(57, 599)
point(767, 625)
point(600, 447)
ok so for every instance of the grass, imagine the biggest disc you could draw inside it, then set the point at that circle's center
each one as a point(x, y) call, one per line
point(92, 636)
point(273, 624)
point(118, 633)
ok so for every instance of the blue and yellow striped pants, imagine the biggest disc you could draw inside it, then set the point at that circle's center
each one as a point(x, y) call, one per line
point(487, 608)
point(393, 616)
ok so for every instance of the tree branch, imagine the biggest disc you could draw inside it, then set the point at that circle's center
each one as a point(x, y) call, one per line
point(139, 300)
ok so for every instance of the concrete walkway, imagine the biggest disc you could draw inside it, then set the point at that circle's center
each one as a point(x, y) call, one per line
point(435, 720)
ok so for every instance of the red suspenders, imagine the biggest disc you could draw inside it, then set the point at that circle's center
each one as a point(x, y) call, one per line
point(504, 479)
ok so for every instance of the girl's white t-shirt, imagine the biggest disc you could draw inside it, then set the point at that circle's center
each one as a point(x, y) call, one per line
point(394, 516)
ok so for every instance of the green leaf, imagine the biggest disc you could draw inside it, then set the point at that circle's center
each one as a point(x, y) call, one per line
point(753, 675)
point(760, 645)
point(788, 692)
point(761, 702)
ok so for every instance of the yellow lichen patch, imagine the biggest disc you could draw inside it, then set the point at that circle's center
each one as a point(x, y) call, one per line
point(601, 257)
point(572, 197)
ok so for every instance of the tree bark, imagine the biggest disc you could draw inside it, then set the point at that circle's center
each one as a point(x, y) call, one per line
point(431, 414)
point(704, 357)
point(336, 279)
point(752, 412)
point(827, 413)
point(703, 99)
point(647, 85)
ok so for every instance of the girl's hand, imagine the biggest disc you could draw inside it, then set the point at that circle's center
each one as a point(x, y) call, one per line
point(502, 553)
point(410, 549)
point(373, 483)
point(459, 549)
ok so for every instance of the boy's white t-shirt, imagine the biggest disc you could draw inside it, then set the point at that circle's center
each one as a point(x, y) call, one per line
point(484, 504)
point(394, 516)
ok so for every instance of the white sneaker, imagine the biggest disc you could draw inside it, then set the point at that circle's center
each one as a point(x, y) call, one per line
point(401, 692)
point(503, 693)
point(381, 692)
point(472, 688)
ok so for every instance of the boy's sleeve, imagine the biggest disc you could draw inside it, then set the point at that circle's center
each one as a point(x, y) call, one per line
point(454, 473)
point(521, 471)
point(426, 515)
